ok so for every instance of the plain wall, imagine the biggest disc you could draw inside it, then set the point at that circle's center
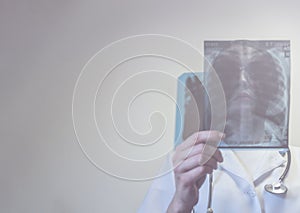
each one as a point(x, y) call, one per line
point(43, 48)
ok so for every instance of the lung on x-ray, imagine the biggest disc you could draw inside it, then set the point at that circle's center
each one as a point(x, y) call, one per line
point(255, 80)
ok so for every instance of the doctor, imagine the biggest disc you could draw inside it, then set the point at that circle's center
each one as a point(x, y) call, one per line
point(238, 185)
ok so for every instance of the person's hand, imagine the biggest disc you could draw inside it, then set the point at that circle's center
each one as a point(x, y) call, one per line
point(193, 159)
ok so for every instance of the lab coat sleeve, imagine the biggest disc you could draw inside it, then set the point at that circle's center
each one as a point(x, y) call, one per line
point(160, 193)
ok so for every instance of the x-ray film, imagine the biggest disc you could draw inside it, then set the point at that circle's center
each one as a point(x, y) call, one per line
point(255, 79)
point(191, 96)
point(255, 76)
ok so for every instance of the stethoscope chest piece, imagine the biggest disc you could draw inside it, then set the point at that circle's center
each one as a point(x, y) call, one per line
point(276, 188)
point(209, 210)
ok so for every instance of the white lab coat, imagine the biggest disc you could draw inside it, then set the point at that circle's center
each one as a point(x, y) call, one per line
point(234, 189)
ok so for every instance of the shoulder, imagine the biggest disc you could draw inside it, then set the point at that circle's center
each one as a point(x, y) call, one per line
point(295, 149)
point(295, 155)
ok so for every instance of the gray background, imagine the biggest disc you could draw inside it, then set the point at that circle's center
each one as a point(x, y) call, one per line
point(43, 47)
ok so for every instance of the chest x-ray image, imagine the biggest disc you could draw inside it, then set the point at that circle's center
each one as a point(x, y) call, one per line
point(255, 76)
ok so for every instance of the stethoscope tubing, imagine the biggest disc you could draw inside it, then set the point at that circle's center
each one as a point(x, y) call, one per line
point(288, 165)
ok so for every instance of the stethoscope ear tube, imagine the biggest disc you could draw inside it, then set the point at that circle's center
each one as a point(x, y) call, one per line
point(287, 168)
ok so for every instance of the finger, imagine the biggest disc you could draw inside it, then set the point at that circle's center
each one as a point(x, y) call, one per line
point(195, 150)
point(203, 153)
point(212, 137)
point(210, 152)
point(218, 156)
point(197, 174)
point(212, 163)
point(193, 162)
point(203, 149)
point(181, 155)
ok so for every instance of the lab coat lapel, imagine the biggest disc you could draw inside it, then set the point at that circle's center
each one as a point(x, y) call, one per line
point(234, 168)
point(271, 161)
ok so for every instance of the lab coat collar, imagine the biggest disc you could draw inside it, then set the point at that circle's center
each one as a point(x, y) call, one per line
point(234, 167)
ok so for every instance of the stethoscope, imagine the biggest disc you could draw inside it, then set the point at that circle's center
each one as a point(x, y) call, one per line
point(278, 187)
point(274, 188)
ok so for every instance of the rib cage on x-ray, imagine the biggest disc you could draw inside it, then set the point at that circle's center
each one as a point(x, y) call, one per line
point(255, 77)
